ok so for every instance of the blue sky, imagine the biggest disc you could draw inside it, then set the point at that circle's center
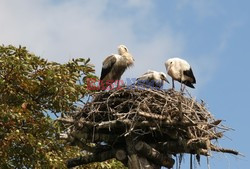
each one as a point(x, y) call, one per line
point(212, 35)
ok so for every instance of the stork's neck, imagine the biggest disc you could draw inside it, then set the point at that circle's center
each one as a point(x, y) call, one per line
point(128, 58)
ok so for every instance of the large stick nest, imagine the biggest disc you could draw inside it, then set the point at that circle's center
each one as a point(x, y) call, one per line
point(167, 120)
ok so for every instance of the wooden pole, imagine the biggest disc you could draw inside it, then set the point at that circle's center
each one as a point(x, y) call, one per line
point(152, 154)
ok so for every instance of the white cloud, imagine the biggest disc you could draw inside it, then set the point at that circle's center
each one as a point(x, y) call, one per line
point(228, 33)
point(70, 29)
point(203, 8)
point(79, 29)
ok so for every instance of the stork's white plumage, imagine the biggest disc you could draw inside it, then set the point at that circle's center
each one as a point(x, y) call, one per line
point(181, 71)
point(115, 65)
point(152, 78)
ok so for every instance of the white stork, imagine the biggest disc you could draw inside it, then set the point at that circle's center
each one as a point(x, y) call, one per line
point(181, 71)
point(152, 78)
point(115, 65)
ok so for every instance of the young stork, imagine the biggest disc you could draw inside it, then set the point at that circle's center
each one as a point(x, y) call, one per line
point(152, 78)
point(114, 66)
point(181, 71)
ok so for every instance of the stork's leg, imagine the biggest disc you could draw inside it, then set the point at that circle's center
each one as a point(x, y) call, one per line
point(173, 83)
point(182, 87)
point(118, 83)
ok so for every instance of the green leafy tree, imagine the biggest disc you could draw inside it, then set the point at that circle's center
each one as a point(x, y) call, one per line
point(30, 89)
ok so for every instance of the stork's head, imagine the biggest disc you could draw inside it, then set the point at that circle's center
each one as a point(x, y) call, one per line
point(169, 63)
point(163, 77)
point(122, 49)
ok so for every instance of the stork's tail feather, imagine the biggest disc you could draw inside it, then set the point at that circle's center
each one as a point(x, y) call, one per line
point(189, 84)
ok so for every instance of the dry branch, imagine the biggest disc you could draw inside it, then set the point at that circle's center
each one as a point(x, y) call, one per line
point(133, 161)
point(224, 150)
point(196, 147)
point(121, 155)
point(162, 121)
point(98, 157)
point(147, 151)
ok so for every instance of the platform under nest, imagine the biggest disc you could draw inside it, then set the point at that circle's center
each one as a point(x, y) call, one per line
point(151, 124)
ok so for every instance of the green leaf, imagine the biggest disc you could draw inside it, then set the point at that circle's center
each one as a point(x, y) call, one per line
point(30, 86)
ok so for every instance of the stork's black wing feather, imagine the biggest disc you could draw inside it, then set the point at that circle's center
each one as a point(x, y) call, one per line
point(188, 83)
point(107, 65)
point(190, 74)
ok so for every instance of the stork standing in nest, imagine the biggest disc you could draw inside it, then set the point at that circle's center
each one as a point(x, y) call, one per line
point(114, 66)
point(152, 78)
point(181, 71)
